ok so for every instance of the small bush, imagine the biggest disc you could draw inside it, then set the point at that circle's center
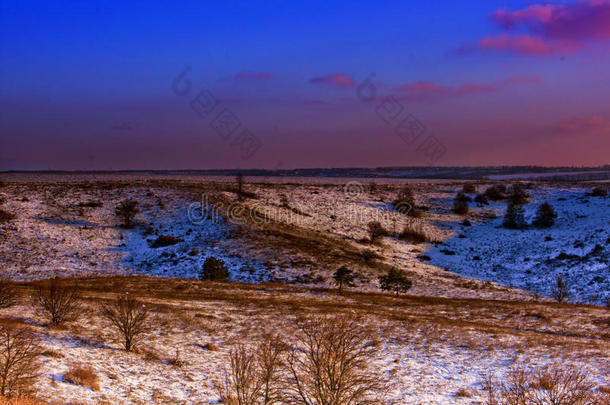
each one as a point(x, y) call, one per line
point(561, 289)
point(376, 231)
point(165, 240)
point(414, 233)
point(214, 270)
point(554, 384)
point(496, 192)
point(90, 204)
point(84, 376)
point(481, 200)
point(6, 216)
point(514, 217)
point(396, 281)
point(545, 216)
point(405, 203)
point(518, 196)
point(368, 256)
point(460, 204)
point(599, 192)
point(469, 188)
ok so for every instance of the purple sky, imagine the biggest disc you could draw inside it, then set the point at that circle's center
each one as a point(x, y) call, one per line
point(99, 85)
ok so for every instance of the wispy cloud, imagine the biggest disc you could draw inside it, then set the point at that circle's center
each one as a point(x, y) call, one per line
point(335, 80)
point(248, 75)
point(582, 124)
point(424, 90)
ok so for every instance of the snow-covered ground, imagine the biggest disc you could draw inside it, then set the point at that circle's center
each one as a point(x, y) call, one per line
point(577, 247)
point(197, 239)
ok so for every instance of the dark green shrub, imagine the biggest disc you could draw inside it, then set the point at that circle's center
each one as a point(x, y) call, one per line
point(460, 204)
point(599, 192)
point(514, 217)
point(481, 200)
point(343, 276)
point(214, 270)
point(396, 281)
point(469, 188)
point(496, 192)
point(545, 216)
point(518, 196)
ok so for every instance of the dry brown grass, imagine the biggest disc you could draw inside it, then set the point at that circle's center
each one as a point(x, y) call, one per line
point(84, 376)
point(20, 401)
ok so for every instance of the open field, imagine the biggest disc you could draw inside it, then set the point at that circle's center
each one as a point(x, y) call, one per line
point(282, 242)
point(429, 347)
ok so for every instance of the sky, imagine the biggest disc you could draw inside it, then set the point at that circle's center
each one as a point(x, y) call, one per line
point(101, 85)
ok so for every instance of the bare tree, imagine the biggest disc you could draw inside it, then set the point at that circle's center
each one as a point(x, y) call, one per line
point(127, 210)
point(561, 289)
point(240, 186)
point(129, 318)
point(19, 365)
point(270, 359)
point(8, 296)
point(330, 364)
point(253, 377)
point(59, 301)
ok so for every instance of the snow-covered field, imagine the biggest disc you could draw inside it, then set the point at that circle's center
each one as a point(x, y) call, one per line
point(577, 247)
point(428, 351)
point(481, 317)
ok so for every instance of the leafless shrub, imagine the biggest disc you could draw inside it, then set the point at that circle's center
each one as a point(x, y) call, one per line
point(561, 289)
point(8, 296)
point(552, 385)
point(414, 232)
point(254, 374)
point(126, 211)
point(129, 318)
point(330, 364)
point(376, 231)
point(19, 355)
point(84, 376)
point(176, 360)
point(58, 301)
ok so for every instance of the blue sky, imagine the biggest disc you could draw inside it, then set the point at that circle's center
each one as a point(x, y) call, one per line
point(87, 85)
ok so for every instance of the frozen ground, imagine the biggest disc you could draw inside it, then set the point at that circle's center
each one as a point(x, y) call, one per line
point(429, 351)
point(577, 247)
point(197, 239)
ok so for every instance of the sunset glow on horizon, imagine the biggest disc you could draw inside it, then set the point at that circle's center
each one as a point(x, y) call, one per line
point(279, 85)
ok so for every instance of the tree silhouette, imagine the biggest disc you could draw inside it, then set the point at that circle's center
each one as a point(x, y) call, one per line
point(343, 276)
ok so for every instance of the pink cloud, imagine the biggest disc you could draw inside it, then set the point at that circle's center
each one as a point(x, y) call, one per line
point(424, 90)
point(552, 29)
point(247, 75)
point(337, 80)
point(523, 44)
point(510, 19)
point(583, 124)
